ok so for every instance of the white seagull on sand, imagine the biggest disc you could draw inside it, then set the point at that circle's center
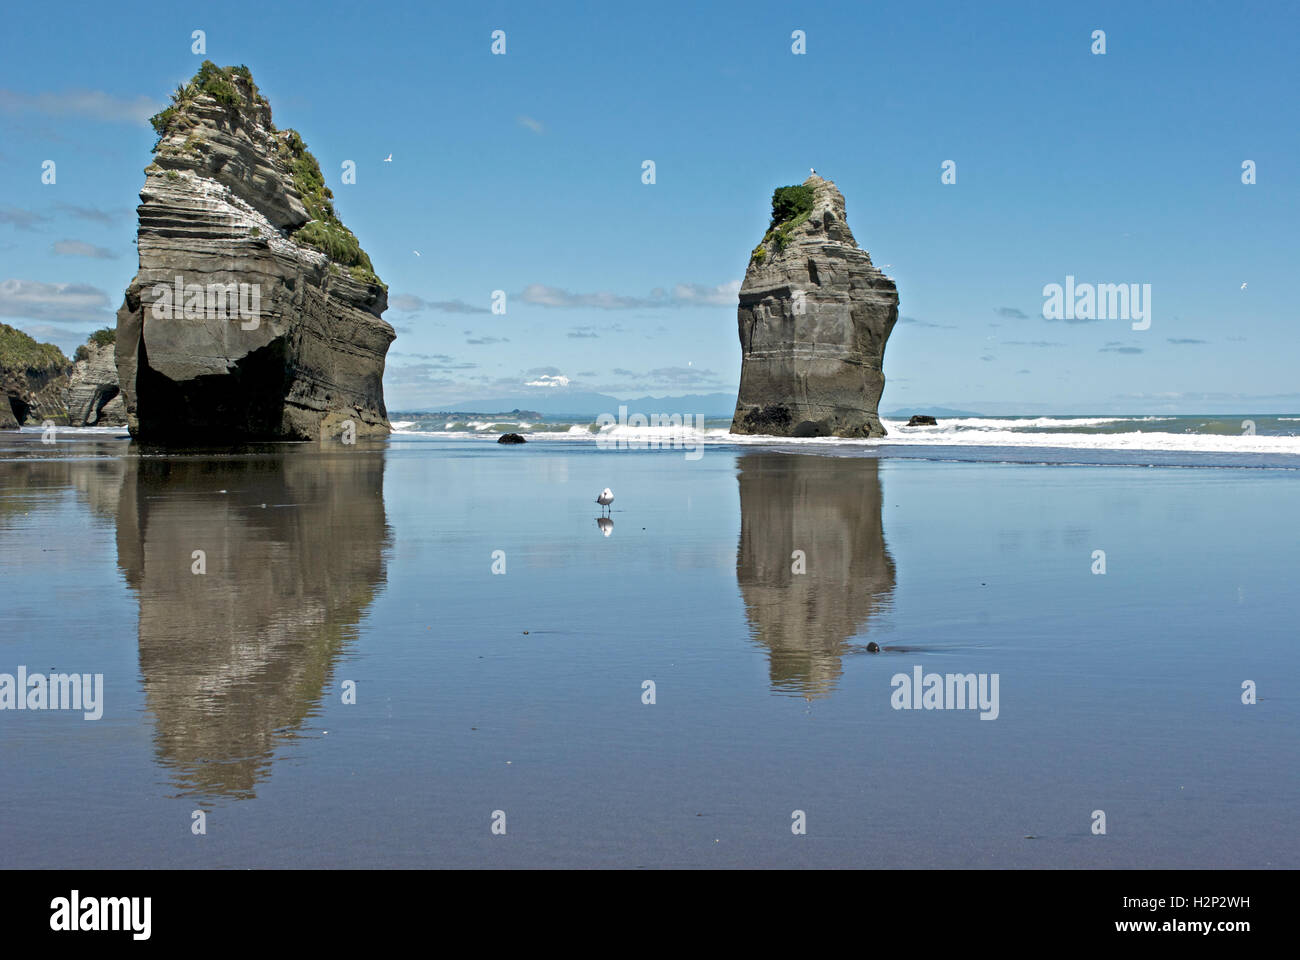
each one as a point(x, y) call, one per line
point(606, 497)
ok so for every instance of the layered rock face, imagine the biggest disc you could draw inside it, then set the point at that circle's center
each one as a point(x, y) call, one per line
point(254, 314)
point(814, 316)
point(94, 397)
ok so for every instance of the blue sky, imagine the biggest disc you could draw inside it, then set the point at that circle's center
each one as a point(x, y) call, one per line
point(522, 173)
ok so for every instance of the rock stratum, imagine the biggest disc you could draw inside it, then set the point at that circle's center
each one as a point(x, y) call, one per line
point(255, 313)
point(94, 397)
point(814, 316)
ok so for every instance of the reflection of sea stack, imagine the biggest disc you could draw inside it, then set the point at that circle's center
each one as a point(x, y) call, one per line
point(828, 508)
point(234, 659)
point(814, 316)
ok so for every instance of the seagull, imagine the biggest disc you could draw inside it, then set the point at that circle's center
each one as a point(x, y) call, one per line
point(388, 159)
point(606, 497)
point(812, 171)
point(416, 252)
point(1243, 285)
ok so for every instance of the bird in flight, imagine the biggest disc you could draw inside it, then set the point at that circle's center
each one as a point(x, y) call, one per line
point(388, 159)
point(1243, 285)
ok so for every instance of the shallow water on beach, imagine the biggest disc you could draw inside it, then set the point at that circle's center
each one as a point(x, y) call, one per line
point(370, 567)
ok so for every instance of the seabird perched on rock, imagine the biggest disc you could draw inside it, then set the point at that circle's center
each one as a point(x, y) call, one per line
point(812, 171)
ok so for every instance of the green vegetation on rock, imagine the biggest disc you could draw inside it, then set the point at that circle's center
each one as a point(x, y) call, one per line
point(232, 87)
point(20, 352)
point(103, 337)
point(325, 232)
point(790, 202)
point(791, 206)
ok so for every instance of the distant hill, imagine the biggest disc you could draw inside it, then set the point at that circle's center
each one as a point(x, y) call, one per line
point(580, 404)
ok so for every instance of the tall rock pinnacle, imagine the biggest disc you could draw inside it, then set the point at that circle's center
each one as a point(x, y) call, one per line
point(255, 313)
point(814, 316)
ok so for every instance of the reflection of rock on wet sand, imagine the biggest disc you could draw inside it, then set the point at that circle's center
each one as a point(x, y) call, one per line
point(828, 507)
point(235, 659)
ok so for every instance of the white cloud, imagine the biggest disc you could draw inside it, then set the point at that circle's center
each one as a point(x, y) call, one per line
point(58, 302)
point(548, 381)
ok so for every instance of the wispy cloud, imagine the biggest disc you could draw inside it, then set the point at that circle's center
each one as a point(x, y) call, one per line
point(21, 219)
point(530, 124)
point(1032, 343)
point(1183, 340)
point(410, 303)
point(681, 295)
point(582, 333)
point(78, 248)
point(89, 104)
point(1117, 346)
point(439, 362)
point(681, 376)
point(913, 322)
point(56, 302)
point(1011, 313)
point(484, 340)
point(94, 214)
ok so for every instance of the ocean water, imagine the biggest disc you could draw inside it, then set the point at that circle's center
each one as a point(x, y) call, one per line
point(1266, 435)
point(498, 638)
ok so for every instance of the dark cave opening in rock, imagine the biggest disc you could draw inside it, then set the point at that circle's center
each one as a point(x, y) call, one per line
point(246, 403)
point(20, 407)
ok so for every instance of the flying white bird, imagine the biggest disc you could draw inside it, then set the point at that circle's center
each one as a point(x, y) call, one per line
point(1243, 285)
point(388, 159)
point(416, 252)
point(606, 497)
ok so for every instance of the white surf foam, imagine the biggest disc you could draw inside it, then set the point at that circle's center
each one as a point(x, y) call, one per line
point(986, 433)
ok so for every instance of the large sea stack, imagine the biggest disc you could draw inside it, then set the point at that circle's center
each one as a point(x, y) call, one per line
point(255, 313)
point(814, 316)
